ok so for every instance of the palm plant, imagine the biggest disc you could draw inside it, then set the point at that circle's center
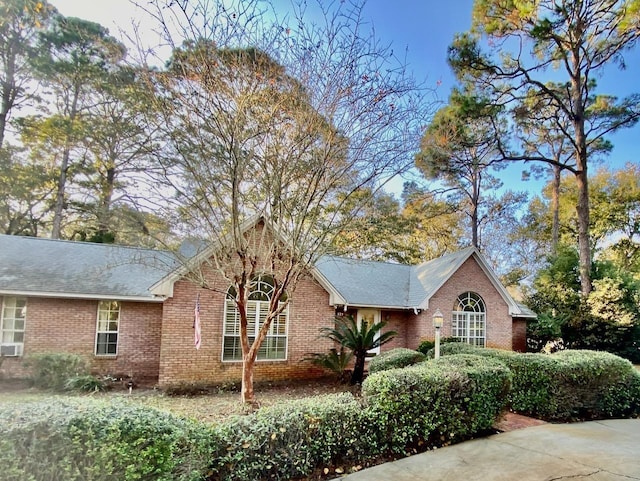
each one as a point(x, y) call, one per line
point(336, 361)
point(358, 339)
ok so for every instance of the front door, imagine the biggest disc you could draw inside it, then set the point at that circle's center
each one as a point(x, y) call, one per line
point(369, 317)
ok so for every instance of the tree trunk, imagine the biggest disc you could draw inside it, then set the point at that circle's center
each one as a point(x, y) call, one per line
point(555, 208)
point(8, 89)
point(584, 245)
point(358, 369)
point(56, 230)
point(60, 190)
point(247, 394)
point(104, 209)
point(579, 99)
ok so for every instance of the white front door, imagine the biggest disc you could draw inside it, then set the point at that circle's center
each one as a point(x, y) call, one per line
point(369, 317)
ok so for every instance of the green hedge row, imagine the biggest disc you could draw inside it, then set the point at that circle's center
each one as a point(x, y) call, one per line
point(290, 440)
point(401, 411)
point(88, 440)
point(446, 400)
point(568, 385)
point(395, 358)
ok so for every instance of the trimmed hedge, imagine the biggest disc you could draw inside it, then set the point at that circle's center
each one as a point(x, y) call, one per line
point(290, 440)
point(395, 358)
point(567, 385)
point(436, 401)
point(88, 440)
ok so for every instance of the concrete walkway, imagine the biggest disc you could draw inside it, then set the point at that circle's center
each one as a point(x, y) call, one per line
point(595, 451)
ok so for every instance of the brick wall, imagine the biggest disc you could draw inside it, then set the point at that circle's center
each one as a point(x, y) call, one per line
point(470, 277)
point(309, 310)
point(69, 325)
point(519, 342)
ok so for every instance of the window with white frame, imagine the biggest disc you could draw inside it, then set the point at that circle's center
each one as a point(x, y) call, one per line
point(107, 328)
point(12, 322)
point(469, 319)
point(274, 346)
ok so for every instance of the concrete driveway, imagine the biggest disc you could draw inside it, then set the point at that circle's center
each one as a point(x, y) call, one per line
point(595, 451)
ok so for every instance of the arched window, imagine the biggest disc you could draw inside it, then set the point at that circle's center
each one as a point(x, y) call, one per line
point(274, 347)
point(469, 319)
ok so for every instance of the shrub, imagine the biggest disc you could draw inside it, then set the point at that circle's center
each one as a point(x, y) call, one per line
point(292, 439)
point(425, 346)
point(596, 385)
point(449, 399)
point(453, 347)
point(87, 383)
point(395, 358)
point(335, 361)
point(80, 440)
point(567, 385)
point(52, 370)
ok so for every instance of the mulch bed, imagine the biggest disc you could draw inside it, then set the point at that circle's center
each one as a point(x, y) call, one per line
point(512, 421)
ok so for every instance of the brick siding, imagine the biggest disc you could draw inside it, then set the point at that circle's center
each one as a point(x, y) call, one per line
point(309, 310)
point(469, 277)
point(69, 325)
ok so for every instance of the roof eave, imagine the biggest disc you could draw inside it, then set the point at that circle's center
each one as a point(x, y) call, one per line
point(335, 298)
point(73, 295)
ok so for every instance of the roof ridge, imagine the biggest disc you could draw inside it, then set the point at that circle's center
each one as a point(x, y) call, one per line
point(355, 259)
point(84, 243)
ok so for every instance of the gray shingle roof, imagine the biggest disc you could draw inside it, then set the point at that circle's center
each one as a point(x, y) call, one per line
point(45, 267)
point(79, 269)
point(382, 284)
point(367, 283)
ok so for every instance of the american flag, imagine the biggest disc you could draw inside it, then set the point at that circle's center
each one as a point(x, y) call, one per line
point(196, 324)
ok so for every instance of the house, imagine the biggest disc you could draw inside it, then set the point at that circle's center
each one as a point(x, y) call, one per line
point(131, 312)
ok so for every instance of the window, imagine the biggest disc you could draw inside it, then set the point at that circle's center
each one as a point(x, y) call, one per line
point(469, 319)
point(274, 346)
point(13, 315)
point(107, 328)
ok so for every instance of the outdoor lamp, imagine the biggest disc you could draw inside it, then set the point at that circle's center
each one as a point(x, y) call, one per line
point(438, 320)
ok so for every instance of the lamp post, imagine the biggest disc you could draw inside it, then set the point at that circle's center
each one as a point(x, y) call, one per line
point(438, 320)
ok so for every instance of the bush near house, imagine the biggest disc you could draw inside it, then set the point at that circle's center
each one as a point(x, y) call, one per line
point(567, 385)
point(394, 359)
point(450, 399)
point(53, 370)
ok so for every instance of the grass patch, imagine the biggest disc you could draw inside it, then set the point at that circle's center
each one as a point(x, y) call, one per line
point(214, 407)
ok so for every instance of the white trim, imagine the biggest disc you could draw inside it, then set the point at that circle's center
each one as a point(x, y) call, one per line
point(164, 287)
point(67, 295)
point(514, 310)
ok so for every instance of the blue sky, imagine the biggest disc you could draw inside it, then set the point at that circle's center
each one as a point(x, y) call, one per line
point(425, 28)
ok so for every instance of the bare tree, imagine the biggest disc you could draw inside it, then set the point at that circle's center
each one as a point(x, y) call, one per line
point(280, 116)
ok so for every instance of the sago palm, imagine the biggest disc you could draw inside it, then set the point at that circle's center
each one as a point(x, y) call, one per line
point(358, 339)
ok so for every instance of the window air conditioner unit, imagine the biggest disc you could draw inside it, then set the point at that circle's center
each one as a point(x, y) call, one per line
point(11, 350)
